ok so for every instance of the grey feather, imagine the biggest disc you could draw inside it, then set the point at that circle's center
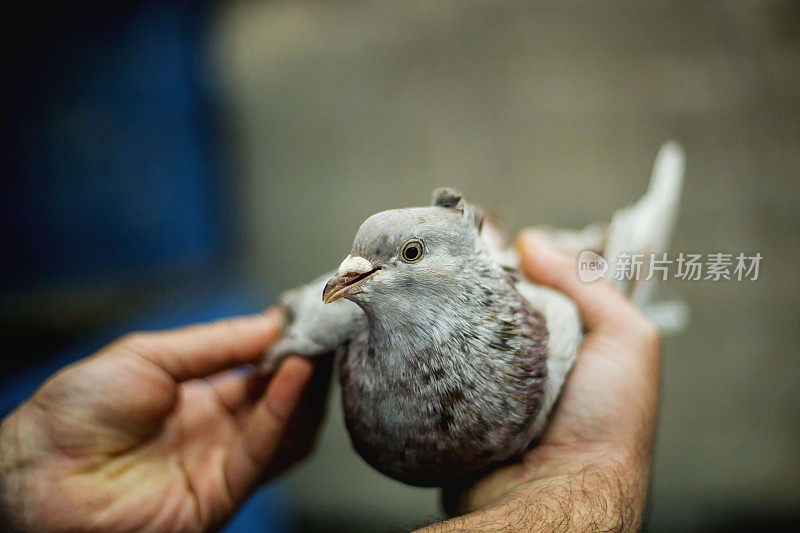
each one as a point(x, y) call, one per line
point(314, 328)
point(451, 360)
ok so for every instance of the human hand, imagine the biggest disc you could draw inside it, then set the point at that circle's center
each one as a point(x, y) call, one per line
point(590, 469)
point(134, 438)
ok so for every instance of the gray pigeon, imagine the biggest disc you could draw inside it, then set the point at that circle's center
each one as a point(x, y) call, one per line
point(450, 359)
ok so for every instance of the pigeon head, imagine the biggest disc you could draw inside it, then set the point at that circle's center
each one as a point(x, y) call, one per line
point(402, 255)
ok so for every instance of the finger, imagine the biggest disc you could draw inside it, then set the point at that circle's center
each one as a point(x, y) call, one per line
point(598, 302)
point(303, 428)
point(240, 388)
point(201, 350)
point(266, 425)
point(232, 388)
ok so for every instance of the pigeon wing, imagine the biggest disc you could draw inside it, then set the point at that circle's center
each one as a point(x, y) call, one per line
point(314, 328)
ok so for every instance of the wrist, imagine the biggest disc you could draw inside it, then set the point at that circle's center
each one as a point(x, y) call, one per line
point(591, 488)
point(602, 496)
point(605, 489)
point(598, 496)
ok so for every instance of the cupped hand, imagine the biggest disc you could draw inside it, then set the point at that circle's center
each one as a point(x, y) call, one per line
point(159, 431)
point(590, 468)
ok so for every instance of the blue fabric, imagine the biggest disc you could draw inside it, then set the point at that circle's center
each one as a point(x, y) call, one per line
point(112, 169)
point(110, 154)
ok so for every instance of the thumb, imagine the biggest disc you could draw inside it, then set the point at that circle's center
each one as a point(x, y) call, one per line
point(598, 302)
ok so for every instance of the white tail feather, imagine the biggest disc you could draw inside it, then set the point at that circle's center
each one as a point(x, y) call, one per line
point(642, 228)
point(646, 228)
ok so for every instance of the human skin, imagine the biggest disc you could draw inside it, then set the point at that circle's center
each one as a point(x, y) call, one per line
point(134, 438)
point(156, 433)
point(590, 469)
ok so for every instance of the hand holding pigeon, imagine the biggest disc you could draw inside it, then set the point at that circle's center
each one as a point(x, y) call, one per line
point(589, 470)
point(451, 360)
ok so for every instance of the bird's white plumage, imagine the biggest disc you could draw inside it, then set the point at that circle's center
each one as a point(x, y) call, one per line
point(646, 227)
point(565, 334)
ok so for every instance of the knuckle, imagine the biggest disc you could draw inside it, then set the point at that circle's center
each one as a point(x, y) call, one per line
point(137, 341)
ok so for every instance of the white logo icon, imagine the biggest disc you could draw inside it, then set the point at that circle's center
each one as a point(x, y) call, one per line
point(591, 266)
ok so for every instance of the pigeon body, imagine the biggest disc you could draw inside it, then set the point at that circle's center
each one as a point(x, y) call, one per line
point(449, 374)
point(450, 359)
point(445, 364)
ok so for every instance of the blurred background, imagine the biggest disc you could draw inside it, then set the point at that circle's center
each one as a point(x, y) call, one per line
point(168, 162)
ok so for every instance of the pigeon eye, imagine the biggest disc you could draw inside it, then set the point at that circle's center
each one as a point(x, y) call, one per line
point(412, 251)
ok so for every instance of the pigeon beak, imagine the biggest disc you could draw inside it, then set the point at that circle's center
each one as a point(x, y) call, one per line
point(353, 273)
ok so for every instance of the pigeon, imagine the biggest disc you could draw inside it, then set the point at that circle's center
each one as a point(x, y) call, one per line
point(450, 360)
